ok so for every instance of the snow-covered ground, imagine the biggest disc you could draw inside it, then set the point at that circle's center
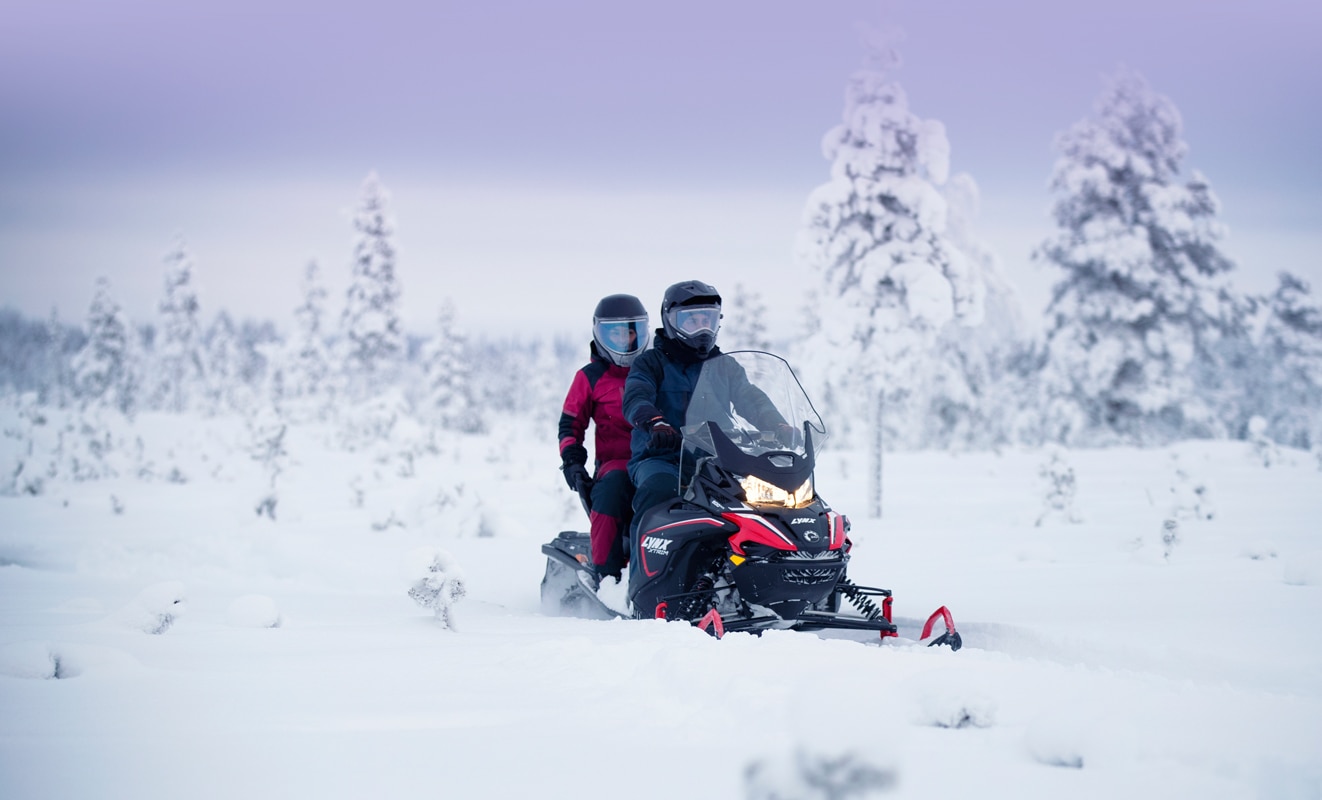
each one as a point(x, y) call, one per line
point(160, 639)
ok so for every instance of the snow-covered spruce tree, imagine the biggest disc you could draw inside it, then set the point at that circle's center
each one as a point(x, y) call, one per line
point(744, 325)
point(546, 379)
point(1138, 316)
point(1291, 349)
point(59, 374)
point(267, 446)
point(34, 356)
point(449, 397)
point(876, 236)
point(373, 335)
point(180, 369)
point(104, 372)
point(974, 396)
point(307, 382)
point(224, 366)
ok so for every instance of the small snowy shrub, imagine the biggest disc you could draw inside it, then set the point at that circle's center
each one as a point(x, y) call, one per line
point(1190, 498)
point(156, 609)
point(812, 776)
point(957, 709)
point(463, 512)
point(1170, 536)
point(439, 583)
point(30, 660)
point(388, 522)
point(1264, 449)
point(1057, 481)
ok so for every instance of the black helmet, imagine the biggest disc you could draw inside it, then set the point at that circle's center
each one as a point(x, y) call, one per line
point(691, 313)
point(620, 328)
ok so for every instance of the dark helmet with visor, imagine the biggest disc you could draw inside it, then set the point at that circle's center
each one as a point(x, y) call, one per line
point(691, 313)
point(620, 328)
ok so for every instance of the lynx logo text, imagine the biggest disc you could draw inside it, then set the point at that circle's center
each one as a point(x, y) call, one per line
point(656, 545)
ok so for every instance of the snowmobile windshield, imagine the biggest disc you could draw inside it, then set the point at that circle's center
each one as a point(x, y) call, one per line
point(750, 412)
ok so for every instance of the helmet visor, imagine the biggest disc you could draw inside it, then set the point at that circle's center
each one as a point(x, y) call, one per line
point(694, 320)
point(623, 336)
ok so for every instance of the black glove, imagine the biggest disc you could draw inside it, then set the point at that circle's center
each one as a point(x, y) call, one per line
point(576, 475)
point(788, 435)
point(572, 459)
point(662, 435)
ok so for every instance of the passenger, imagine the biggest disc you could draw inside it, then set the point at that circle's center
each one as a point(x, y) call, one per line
point(620, 331)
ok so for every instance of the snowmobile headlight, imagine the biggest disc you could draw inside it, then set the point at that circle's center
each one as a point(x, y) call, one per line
point(758, 492)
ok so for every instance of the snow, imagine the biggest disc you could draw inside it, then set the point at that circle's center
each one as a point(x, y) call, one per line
point(1098, 659)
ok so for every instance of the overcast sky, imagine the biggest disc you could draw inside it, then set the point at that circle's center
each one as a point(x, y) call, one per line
point(542, 154)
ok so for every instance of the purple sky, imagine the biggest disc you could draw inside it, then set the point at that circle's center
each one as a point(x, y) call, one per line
point(543, 154)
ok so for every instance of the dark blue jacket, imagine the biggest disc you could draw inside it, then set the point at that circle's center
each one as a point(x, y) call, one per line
point(660, 382)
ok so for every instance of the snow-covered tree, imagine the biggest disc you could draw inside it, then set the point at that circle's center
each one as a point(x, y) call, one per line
point(545, 379)
point(308, 371)
point(34, 356)
point(449, 396)
point(373, 334)
point(1292, 355)
point(180, 358)
point(224, 365)
point(268, 447)
point(103, 370)
point(58, 375)
point(876, 236)
point(1136, 318)
point(974, 393)
point(744, 325)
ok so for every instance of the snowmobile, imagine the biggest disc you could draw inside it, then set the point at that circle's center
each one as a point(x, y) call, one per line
point(749, 544)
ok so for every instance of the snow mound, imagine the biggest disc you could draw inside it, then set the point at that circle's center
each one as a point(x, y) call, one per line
point(1259, 551)
point(56, 661)
point(156, 608)
point(957, 709)
point(1060, 739)
point(951, 699)
point(254, 611)
point(615, 594)
point(1305, 570)
point(812, 776)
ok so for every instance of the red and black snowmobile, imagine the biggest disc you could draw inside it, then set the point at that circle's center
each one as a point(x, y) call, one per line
point(749, 545)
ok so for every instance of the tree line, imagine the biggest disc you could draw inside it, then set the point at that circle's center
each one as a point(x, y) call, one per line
point(914, 338)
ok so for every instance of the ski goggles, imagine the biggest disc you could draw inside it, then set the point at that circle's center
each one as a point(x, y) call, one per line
point(696, 319)
point(623, 336)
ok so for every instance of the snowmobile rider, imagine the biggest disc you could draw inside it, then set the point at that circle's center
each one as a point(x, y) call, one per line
point(619, 333)
point(661, 382)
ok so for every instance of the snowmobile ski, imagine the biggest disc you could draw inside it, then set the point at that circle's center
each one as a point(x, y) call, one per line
point(569, 587)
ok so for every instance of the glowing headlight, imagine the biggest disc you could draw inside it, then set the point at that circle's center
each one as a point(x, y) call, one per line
point(758, 492)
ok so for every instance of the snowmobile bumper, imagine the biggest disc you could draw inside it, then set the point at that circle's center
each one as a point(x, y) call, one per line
point(820, 620)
